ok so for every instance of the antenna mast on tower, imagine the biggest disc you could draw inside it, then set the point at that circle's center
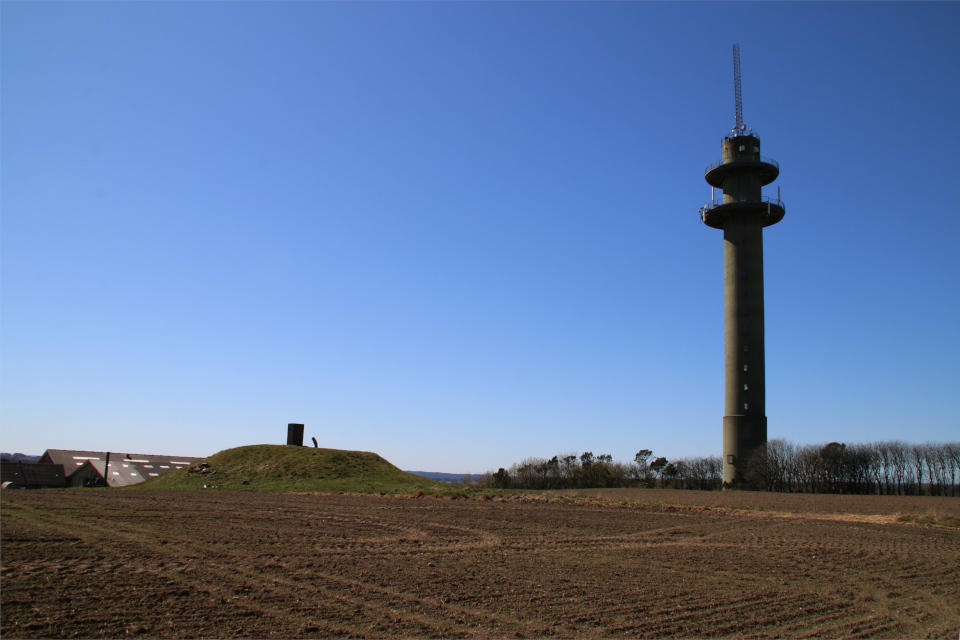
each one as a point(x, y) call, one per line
point(736, 88)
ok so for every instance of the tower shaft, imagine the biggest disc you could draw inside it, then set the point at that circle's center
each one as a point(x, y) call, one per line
point(742, 213)
point(744, 419)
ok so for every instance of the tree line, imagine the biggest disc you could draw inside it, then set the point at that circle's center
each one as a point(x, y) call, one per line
point(887, 468)
point(587, 471)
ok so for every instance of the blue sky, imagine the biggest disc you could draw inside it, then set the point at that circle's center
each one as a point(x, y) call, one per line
point(462, 234)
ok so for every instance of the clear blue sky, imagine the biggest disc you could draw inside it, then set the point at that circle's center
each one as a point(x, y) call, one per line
point(462, 234)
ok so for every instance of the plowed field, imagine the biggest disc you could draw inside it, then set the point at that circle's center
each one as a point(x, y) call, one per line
point(109, 563)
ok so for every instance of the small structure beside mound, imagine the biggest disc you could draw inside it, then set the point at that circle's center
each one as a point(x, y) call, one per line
point(285, 468)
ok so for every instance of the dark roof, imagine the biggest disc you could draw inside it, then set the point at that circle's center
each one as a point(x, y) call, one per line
point(71, 459)
point(131, 468)
point(33, 475)
point(125, 468)
point(10, 472)
point(48, 475)
point(97, 465)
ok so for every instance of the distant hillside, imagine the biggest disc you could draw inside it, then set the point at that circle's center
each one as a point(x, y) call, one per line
point(445, 477)
point(19, 457)
point(282, 468)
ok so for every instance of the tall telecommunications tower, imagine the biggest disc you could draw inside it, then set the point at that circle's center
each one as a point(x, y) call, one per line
point(742, 213)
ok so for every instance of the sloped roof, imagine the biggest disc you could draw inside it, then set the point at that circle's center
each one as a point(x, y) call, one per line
point(98, 465)
point(125, 468)
point(71, 459)
point(46, 475)
point(122, 474)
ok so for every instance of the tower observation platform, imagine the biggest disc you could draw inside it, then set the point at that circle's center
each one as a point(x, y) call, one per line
point(742, 213)
point(741, 168)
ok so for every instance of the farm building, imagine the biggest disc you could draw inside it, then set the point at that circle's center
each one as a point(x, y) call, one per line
point(89, 474)
point(96, 468)
point(32, 476)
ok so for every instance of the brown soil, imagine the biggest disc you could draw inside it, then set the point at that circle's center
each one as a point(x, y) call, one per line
point(109, 563)
point(803, 504)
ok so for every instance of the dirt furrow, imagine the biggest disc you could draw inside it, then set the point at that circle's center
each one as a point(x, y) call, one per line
point(165, 564)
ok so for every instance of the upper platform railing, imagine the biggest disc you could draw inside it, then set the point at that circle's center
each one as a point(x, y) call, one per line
point(772, 202)
point(714, 165)
point(747, 133)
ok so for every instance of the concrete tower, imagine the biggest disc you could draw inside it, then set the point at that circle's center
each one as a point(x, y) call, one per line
point(742, 213)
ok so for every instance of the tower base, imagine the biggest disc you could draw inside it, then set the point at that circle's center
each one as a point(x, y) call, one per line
point(742, 435)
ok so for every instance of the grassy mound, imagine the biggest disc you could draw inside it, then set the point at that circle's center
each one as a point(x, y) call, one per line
point(274, 467)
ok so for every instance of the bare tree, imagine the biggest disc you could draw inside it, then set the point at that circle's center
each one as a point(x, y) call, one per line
point(759, 473)
point(917, 455)
point(952, 457)
point(715, 465)
point(698, 473)
point(856, 470)
point(809, 468)
point(884, 464)
point(874, 466)
point(779, 453)
point(938, 468)
point(901, 466)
